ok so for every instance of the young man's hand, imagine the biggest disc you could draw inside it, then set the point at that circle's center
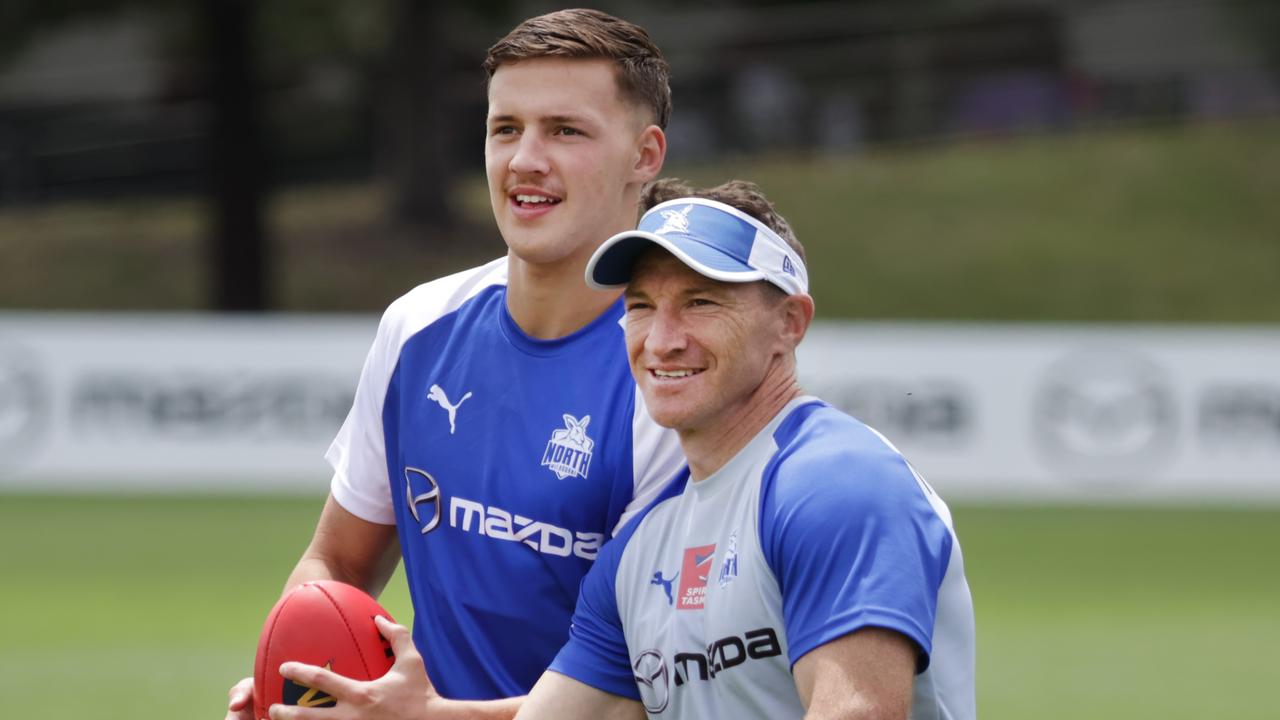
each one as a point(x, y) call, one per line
point(405, 692)
point(241, 705)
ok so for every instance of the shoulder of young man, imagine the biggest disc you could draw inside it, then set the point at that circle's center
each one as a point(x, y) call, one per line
point(433, 299)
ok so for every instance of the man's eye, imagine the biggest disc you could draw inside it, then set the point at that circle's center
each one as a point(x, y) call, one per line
point(564, 130)
point(701, 302)
point(504, 130)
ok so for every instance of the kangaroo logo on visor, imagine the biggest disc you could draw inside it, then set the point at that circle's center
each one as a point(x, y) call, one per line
point(675, 221)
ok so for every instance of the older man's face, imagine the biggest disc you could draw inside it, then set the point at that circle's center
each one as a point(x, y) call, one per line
point(699, 348)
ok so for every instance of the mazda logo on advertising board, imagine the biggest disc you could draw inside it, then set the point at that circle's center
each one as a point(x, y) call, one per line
point(24, 404)
point(1105, 414)
point(933, 412)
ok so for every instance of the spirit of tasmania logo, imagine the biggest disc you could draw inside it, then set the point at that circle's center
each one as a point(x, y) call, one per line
point(569, 450)
point(694, 572)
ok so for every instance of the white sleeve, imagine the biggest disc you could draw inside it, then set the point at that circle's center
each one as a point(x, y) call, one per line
point(656, 457)
point(358, 453)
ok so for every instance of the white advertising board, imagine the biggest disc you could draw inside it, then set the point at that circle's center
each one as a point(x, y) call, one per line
point(173, 402)
point(1047, 412)
point(991, 412)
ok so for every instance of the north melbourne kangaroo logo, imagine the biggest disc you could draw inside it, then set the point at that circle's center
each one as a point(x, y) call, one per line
point(437, 393)
point(675, 220)
point(569, 450)
point(729, 566)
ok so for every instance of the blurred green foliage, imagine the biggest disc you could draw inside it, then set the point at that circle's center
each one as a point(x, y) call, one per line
point(1166, 224)
point(1155, 224)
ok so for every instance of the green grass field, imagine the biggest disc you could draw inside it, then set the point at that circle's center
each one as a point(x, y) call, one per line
point(149, 607)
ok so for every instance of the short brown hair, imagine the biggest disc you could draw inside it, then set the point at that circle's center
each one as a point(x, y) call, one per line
point(643, 74)
point(741, 194)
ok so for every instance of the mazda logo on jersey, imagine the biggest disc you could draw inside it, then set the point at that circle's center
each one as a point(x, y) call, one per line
point(430, 497)
point(650, 672)
point(725, 653)
point(426, 503)
point(653, 676)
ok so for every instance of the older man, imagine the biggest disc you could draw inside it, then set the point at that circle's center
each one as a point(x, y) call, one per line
point(802, 568)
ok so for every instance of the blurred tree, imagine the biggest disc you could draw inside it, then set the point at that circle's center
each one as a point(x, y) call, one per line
point(1260, 21)
point(418, 147)
point(23, 21)
point(227, 52)
point(428, 78)
point(238, 244)
point(419, 69)
point(241, 257)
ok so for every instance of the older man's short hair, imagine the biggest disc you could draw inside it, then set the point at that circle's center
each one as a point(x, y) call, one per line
point(741, 194)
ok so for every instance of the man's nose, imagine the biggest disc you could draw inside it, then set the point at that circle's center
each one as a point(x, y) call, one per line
point(530, 157)
point(666, 334)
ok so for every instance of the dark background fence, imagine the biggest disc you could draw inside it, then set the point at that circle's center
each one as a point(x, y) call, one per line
point(232, 101)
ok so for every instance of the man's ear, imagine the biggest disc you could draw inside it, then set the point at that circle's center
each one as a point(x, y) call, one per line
point(651, 153)
point(797, 316)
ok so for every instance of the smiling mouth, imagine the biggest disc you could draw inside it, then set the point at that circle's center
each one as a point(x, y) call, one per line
point(674, 374)
point(534, 201)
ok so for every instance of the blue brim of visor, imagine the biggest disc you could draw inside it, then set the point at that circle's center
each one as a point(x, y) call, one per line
point(713, 239)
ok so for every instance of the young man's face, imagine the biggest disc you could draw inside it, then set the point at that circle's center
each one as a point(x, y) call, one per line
point(565, 157)
point(699, 348)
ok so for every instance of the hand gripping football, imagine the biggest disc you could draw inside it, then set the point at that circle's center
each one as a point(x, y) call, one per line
point(324, 623)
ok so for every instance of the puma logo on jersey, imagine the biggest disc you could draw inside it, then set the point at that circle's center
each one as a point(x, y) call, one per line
point(437, 394)
point(665, 584)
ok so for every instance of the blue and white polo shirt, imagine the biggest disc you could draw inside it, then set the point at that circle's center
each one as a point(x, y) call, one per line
point(817, 528)
point(505, 461)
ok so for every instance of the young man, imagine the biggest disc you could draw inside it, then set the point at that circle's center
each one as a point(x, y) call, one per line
point(802, 567)
point(497, 437)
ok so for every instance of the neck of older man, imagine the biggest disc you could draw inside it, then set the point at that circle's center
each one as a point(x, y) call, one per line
point(712, 444)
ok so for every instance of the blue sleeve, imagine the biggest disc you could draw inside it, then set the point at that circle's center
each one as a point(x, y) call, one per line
point(849, 533)
point(596, 653)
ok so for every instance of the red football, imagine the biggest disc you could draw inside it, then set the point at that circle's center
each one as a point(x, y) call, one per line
point(324, 623)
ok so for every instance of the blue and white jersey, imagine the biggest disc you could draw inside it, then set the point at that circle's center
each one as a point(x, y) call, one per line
point(505, 462)
point(817, 528)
